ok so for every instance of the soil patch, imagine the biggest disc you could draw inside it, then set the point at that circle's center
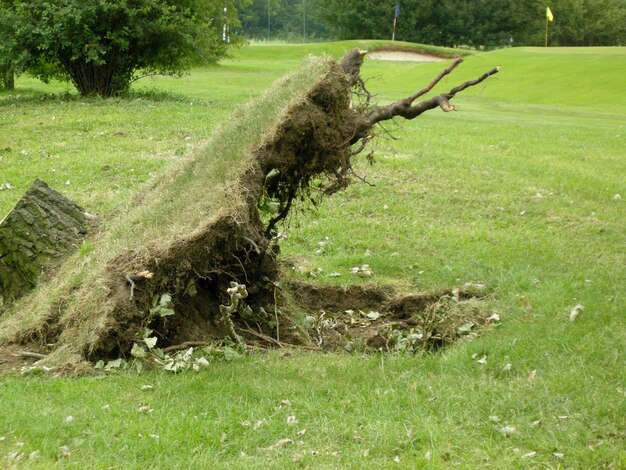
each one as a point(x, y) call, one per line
point(377, 318)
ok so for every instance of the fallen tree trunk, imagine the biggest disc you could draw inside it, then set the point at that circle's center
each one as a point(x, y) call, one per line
point(41, 228)
point(209, 225)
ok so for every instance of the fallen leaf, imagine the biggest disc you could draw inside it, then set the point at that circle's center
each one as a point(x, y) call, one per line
point(396, 459)
point(532, 376)
point(507, 430)
point(362, 271)
point(558, 455)
point(116, 364)
point(301, 432)
point(494, 317)
point(529, 455)
point(145, 409)
point(146, 387)
point(291, 420)
point(258, 424)
point(373, 315)
point(138, 352)
point(576, 311)
point(15, 455)
point(428, 455)
point(494, 419)
point(507, 367)
point(69, 420)
point(65, 451)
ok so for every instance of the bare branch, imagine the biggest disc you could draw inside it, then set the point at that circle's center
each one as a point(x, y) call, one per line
point(470, 83)
point(436, 80)
point(405, 109)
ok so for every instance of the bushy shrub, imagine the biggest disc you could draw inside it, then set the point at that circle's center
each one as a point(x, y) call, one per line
point(101, 46)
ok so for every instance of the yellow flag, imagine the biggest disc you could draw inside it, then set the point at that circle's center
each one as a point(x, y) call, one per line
point(549, 14)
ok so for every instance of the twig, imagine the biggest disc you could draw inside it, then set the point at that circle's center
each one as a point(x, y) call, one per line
point(362, 179)
point(470, 83)
point(132, 286)
point(283, 212)
point(435, 80)
point(269, 339)
point(254, 245)
point(136, 277)
point(243, 268)
point(152, 74)
point(364, 142)
point(32, 355)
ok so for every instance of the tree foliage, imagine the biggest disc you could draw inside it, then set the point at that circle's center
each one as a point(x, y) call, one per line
point(284, 19)
point(101, 46)
point(6, 45)
point(472, 23)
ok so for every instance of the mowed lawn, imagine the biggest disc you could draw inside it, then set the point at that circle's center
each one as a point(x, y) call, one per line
point(522, 189)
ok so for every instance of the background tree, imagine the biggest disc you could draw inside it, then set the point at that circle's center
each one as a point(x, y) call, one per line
point(472, 23)
point(589, 23)
point(291, 20)
point(7, 44)
point(101, 46)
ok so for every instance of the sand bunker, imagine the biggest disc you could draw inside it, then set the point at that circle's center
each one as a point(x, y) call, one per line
point(403, 56)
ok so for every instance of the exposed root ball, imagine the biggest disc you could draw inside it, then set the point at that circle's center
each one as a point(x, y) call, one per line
point(167, 263)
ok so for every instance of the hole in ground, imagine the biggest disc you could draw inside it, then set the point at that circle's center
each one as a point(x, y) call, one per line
point(374, 318)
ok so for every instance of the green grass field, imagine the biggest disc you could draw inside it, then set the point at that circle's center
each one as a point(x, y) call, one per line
point(518, 189)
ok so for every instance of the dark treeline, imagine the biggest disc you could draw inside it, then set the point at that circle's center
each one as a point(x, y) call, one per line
point(473, 23)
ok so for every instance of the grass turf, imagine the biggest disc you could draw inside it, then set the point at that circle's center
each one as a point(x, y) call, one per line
point(516, 190)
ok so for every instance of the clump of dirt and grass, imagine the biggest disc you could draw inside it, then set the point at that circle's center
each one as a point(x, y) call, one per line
point(194, 257)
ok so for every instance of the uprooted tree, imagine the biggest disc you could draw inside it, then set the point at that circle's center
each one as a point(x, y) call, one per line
point(191, 242)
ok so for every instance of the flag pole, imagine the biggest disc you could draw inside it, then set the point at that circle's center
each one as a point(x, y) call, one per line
point(396, 12)
point(549, 17)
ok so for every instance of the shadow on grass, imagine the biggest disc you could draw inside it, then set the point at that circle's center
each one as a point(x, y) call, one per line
point(32, 95)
